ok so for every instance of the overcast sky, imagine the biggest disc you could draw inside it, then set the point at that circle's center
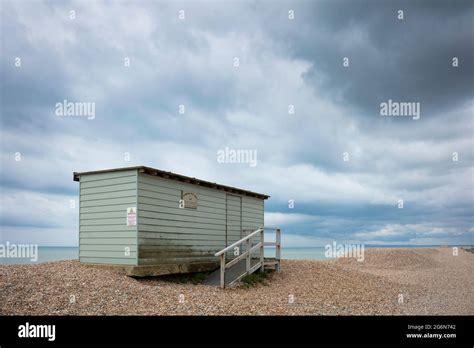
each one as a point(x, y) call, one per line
point(345, 166)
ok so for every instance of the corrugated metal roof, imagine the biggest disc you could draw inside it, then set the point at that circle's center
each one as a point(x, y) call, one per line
point(177, 177)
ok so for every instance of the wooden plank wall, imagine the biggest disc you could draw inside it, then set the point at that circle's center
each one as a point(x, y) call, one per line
point(170, 234)
point(104, 236)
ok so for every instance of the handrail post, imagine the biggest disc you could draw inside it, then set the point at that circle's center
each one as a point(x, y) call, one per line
point(262, 257)
point(222, 270)
point(278, 249)
point(249, 246)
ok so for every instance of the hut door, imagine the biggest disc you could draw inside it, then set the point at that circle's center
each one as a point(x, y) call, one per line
point(233, 220)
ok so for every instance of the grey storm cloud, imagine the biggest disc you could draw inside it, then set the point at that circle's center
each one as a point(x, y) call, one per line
point(407, 60)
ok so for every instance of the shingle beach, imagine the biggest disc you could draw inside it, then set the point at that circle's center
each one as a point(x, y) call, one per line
point(387, 282)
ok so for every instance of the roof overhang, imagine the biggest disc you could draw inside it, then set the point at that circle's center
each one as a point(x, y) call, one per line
point(177, 177)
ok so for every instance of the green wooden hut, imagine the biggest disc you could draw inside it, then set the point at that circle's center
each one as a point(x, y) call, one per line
point(152, 222)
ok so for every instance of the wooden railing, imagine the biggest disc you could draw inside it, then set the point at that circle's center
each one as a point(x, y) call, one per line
point(247, 255)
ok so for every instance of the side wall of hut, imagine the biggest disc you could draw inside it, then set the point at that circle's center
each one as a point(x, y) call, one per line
point(105, 234)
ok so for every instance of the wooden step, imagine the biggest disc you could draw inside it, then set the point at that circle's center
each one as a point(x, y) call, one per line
point(270, 263)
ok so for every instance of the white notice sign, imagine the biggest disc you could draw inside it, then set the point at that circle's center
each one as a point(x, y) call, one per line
point(132, 216)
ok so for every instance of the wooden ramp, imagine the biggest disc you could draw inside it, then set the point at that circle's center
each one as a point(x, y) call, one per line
point(246, 263)
point(230, 275)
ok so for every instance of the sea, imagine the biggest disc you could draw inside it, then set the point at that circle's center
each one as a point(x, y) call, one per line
point(49, 253)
